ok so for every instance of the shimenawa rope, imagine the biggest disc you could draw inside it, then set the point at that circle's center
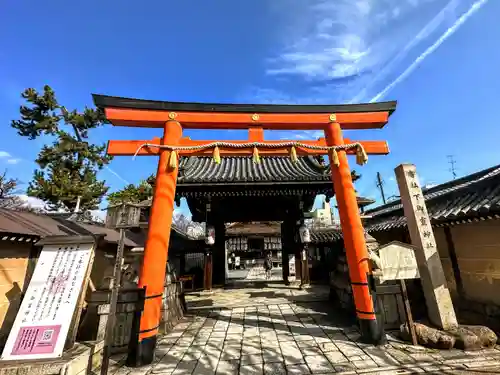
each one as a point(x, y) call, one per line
point(361, 156)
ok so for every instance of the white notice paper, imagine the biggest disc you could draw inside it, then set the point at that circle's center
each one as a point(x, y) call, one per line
point(43, 321)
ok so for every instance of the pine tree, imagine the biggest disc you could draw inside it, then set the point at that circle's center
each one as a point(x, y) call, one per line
point(68, 166)
point(133, 193)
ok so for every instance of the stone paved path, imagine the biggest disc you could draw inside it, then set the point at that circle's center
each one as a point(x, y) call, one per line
point(290, 335)
point(258, 273)
point(255, 294)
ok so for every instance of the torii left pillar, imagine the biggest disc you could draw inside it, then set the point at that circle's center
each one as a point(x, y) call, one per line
point(154, 264)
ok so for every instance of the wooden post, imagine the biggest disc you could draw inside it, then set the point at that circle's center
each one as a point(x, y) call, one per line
point(354, 240)
point(115, 289)
point(437, 295)
point(305, 266)
point(409, 315)
point(298, 263)
point(218, 251)
point(156, 251)
point(226, 266)
point(207, 272)
point(285, 243)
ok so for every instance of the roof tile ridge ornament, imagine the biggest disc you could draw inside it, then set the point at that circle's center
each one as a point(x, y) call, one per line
point(315, 164)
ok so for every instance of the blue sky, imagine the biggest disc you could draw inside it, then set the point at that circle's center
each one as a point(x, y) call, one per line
point(438, 58)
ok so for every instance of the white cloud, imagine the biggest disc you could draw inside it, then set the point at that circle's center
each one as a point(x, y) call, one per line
point(8, 158)
point(345, 50)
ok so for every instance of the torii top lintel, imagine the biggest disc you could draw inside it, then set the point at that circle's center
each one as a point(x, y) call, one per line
point(154, 114)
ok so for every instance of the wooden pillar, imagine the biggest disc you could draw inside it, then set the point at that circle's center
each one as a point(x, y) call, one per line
point(208, 270)
point(285, 243)
point(354, 240)
point(154, 264)
point(297, 252)
point(305, 277)
point(218, 251)
point(324, 276)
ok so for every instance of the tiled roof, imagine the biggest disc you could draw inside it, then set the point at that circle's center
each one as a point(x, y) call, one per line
point(473, 196)
point(195, 170)
point(32, 224)
point(364, 201)
point(325, 235)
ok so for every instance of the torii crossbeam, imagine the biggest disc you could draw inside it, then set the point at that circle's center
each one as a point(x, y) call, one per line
point(174, 117)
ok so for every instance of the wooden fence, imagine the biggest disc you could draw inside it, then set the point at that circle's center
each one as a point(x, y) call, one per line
point(129, 308)
point(128, 312)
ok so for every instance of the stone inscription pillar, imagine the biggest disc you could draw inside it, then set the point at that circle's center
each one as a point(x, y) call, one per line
point(437, 296)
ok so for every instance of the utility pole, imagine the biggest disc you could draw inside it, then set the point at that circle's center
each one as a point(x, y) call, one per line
point(380, 185)
point(452, 162)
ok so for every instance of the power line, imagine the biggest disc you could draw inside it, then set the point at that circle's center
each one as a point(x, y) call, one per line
point(380, 185)
point(452, 163)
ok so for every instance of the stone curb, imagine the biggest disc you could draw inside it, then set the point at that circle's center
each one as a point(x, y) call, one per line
point(428, 367)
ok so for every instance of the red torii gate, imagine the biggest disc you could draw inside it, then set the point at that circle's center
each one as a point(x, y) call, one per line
point(174, 117)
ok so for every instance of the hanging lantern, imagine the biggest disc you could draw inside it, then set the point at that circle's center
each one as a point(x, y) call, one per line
point(210, 235)
point(305, 236)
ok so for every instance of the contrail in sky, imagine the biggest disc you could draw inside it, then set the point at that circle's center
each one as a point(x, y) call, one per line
point(116, 175)
point(473, 9)
point(432, 25)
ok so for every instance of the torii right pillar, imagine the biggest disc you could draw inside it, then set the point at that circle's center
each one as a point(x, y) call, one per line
point(354, 241)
